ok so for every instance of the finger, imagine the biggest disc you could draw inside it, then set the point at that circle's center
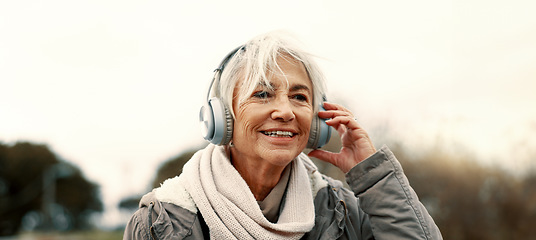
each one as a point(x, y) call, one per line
point(334, 106)
point(347, 121)
point(348, 127)
point(323, 155)
point(334, 113)
point(333, 110)
point(334, 158)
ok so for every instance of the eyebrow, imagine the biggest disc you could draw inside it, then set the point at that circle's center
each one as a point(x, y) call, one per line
point(293, 88)
point(300, 87)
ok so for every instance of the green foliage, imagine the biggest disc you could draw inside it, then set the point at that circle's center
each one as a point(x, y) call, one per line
point(169, 169)
point(24, 170)
point(130, 203)
point(172, 168)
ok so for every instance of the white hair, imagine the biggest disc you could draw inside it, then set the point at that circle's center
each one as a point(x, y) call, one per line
point(253, 61)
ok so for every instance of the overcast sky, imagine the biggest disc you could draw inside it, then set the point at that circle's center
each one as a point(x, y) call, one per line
point(115, 86)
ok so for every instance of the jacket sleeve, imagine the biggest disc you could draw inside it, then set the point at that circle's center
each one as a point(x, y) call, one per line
point(155, 220)
point(384, 193)
point(137, 227)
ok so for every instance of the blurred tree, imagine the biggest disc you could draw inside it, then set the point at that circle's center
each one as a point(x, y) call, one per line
point(168, 169)
point(172, 167)
point(29, 175)
point(130, 203)
point(468, 200)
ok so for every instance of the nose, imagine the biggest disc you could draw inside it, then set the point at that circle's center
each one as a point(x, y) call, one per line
point(283, 110)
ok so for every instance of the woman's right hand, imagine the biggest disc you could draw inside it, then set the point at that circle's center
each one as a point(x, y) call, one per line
point(356, 144)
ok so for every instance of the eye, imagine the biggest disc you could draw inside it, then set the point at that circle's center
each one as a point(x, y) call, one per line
point(261, 94)
point(300, 97)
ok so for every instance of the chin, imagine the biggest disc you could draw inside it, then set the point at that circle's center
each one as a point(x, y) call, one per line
point(281, 157)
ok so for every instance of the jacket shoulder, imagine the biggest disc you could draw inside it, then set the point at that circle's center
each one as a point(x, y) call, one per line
point(163, 220)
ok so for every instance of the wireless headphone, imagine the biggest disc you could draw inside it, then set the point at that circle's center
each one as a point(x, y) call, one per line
point(217, 122)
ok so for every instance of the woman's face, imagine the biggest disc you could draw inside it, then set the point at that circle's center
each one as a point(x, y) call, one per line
point(272, 126)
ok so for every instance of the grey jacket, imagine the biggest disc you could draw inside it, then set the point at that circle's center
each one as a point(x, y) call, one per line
point(381, 205)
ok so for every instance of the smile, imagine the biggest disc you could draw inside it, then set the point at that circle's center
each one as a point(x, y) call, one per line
point(278, 133)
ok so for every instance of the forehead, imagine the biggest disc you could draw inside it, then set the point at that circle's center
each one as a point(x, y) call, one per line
point(289, 73)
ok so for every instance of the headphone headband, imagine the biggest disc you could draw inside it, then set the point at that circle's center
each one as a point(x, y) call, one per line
point(218, 71)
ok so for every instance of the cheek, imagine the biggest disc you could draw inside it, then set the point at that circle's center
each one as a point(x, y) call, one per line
point(306, 119)
point(245, 122)
point(245, 128)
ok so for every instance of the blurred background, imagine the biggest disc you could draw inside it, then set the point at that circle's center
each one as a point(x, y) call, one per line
point(99, 102)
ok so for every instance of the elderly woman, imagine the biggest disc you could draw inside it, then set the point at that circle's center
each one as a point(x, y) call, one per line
point(254, 182)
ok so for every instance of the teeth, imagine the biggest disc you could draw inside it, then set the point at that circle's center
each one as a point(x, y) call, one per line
point(279, 134)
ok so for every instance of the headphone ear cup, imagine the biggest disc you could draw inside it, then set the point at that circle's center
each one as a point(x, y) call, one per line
point(216, 122)
point(228, 132)
point(206, 118)
point(320, 132)
point(312, 142)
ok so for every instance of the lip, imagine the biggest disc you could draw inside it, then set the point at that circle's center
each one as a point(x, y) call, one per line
point(294, 132)
point(279, 140)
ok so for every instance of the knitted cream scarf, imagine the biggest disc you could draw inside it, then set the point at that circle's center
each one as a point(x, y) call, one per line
point(229, 207)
